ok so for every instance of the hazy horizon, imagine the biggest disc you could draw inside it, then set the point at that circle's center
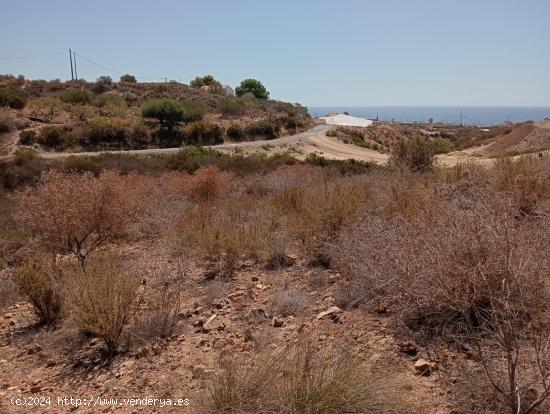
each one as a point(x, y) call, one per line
point(318, 53)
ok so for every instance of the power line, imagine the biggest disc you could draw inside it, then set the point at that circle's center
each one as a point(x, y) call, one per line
point(30, 56)
point(113, 70)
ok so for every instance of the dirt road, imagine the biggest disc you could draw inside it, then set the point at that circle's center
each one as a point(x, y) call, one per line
point(300, 145)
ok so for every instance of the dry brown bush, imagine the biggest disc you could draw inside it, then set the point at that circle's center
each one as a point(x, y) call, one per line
point(160, 316)
point(40, 281)
point(78, 212)
point(297, 379)
point(289, 301)
point(7, 123)
point(476, 269)
point(102, 297)
point(225, 230)
point(316, 213)
point(209, 183)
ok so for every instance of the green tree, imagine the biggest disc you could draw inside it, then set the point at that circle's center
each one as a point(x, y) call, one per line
point(128, 78)
point(202, 81)
point(167, 111)
point(254, 87)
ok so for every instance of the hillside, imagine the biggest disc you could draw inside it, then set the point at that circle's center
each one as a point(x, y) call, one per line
point(78, 115)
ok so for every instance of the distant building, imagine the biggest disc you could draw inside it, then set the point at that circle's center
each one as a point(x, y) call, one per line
point(228, 90)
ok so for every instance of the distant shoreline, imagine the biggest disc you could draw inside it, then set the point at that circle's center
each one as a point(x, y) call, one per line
point(467, 115)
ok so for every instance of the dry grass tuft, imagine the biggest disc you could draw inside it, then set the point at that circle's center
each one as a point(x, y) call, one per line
point(102, 297)
point(297, 379)
point(289, 301)
point(40, 281)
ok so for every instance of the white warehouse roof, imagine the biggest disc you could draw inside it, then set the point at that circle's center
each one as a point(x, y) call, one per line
point(346, 120)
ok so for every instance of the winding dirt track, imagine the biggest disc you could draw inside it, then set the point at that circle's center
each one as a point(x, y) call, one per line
point(314, 140)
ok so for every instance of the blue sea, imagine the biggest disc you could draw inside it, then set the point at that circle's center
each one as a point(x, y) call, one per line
point(471, 115)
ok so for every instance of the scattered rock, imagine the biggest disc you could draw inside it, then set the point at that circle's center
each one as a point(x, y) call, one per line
point(333, 310)
point(408, 348)
point(199, 372)
point(424, 367)
point(277, 322)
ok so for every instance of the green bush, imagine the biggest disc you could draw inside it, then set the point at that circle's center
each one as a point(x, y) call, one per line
point(231, 106)
point(254, 87)
point(53, 137)
point(13, 96)
point(128, 78)
point(235, 132)
point(268, 129)
point(105, 131)
point(192, 111)
point(76, 96)
point(416, 153)
point(443, 146)
point(169, 111)
point(27, 137)
point(202, 133)
point(202, 81)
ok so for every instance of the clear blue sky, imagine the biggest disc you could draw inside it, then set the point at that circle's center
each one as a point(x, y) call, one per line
point(339, 52)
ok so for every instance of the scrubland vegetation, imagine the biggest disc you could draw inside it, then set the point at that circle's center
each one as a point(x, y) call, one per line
point(80, 115)
point(456, 261)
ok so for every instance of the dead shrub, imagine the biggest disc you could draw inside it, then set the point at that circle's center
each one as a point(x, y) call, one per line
point(40, 281)
point(298, 379)
point(102, 297)
point(9, 293)
point(78, 212)
point(289, 301)
point(163, 307)
point(225, 230)
point(474, 270)
point(208, 183)
point(316, 213)
point(7, 123)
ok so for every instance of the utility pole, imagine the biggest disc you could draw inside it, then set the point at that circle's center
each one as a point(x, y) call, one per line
point(71, 60)
point(74, 58)
point(460, 118)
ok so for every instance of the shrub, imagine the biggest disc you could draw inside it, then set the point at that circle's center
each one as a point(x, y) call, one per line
point(102, 297)
point(128, 78)
point(105, 131)
point(202, 133)
point(225, 230)
point(289, 301)
point(53, 137)
point(202, 81)
point(76, 96)
point(254, 87)
point(193, 111)
point(297, 379)
point(164, 306)
point(39, 280)
point(416, 153)
point(235, 132)
point(76, 212)
point(267, 129)
point(7, 123)
point(27, 137)
point(231, 106)
point(477, 269)
point(13, 96)
point(169, 111)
